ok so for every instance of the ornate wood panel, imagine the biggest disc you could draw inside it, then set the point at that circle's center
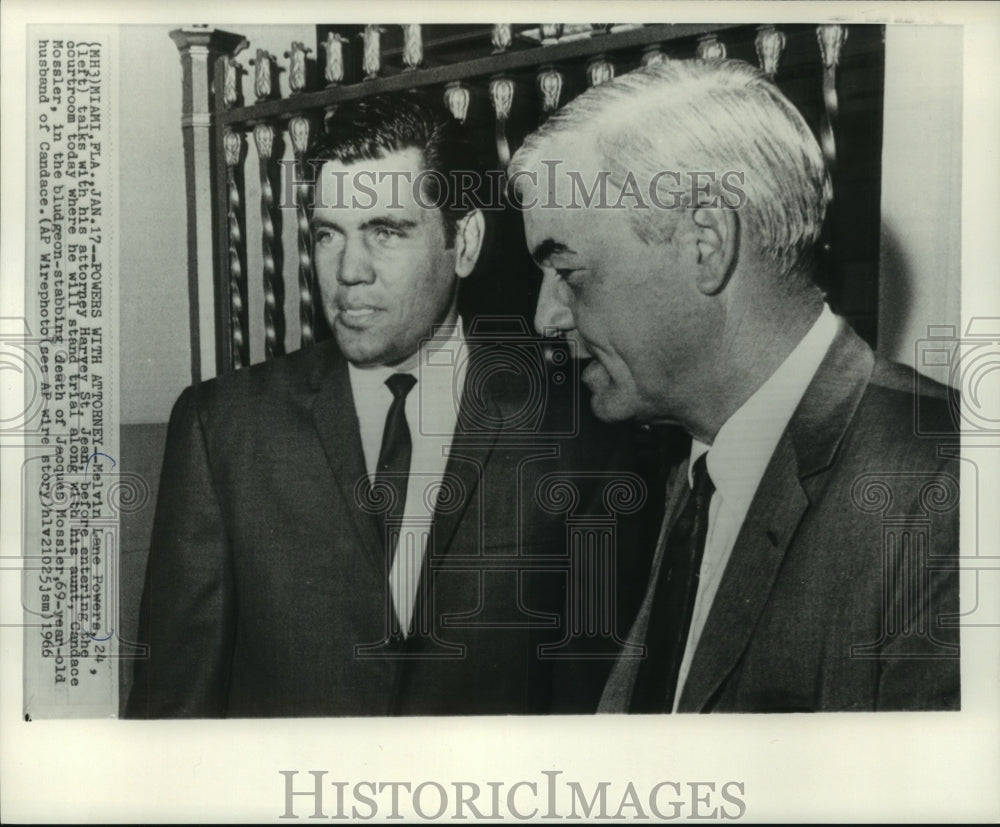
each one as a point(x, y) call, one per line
point(501, 81)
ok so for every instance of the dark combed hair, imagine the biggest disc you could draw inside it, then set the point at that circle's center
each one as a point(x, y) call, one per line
point(372, 128)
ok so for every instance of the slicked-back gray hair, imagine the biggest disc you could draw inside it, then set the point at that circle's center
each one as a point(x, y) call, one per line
point(688, 116)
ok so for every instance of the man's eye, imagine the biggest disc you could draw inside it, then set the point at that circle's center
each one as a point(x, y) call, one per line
point(323, 237)
point(385, 235)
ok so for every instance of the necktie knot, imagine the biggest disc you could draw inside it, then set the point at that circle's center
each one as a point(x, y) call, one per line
point(400, 384)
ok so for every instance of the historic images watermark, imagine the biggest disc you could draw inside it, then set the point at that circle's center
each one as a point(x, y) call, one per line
point(310, 794)
point(494, 190)
point(967, 364)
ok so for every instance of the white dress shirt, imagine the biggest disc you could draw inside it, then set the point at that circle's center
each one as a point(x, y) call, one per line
point(737, 460)
point(431, 413)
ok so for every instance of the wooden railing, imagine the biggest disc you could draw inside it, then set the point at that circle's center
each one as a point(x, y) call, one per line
point(523, 73)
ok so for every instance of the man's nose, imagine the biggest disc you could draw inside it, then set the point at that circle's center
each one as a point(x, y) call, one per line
point(355, 264)
point(553, 314)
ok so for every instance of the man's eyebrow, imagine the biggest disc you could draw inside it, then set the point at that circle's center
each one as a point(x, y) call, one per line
point(316, 223)
point(390, 223)
point(549, 248)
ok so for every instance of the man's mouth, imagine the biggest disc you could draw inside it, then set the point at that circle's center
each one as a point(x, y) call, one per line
point(356, 315)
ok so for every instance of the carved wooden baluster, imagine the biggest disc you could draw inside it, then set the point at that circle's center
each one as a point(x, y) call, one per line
point(711, 48)
point(372, 60)
point(231, 82)
point(600, 70)
point(298, 129)
point(456, 98)
point(262, 65)
point(263, 136)
point(501, 37)
point(502, 97)
point(334, 70)
point(297, 67)
point(654, 54)
point(770, 44)
point(831, 40)
point(550, 85)
point(551, 32)
point(413, 46)
point(233, 144)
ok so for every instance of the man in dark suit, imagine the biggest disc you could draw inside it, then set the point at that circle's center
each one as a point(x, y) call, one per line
point(355, 529)
point(808, 557)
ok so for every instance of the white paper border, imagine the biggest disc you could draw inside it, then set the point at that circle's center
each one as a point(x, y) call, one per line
point(908, 767)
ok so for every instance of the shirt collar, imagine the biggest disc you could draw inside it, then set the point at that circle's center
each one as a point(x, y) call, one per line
point(744, 444)
point(442, 350)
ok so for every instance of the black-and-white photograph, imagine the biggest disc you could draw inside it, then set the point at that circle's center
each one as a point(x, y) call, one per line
point(445, 375)
point(691, 261)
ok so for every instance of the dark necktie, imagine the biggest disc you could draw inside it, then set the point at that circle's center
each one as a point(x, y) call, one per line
point(673, 600)
point(394, 456)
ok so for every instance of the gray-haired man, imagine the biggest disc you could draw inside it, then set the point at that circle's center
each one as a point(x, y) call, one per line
point(674, 213)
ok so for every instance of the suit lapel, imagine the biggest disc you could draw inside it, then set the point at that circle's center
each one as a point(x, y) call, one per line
point(337, 424)
point(760, 548)
point(793, 477)
point(471, 448)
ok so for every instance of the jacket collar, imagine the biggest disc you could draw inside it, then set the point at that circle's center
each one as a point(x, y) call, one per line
point(481, 420)
point(793, 479)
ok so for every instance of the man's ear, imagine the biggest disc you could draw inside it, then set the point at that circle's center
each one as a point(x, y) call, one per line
point(469, 234)
point(717, 232)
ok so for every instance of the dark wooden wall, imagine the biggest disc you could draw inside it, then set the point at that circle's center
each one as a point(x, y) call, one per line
point(507, 283)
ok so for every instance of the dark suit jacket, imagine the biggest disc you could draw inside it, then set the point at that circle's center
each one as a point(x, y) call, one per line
point(265, 577)
point(841, 592)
